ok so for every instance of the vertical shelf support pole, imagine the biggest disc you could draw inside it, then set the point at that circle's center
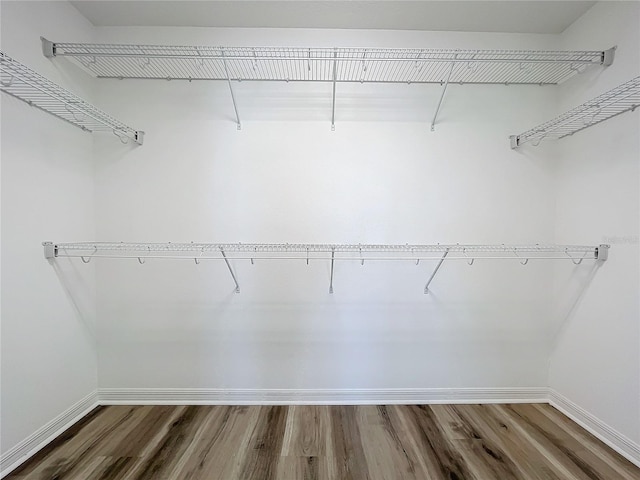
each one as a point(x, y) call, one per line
point(233, 97)
point(426, 287)
point(333, 253)
point(233, 275)
point(446, 84)
point(335, 78)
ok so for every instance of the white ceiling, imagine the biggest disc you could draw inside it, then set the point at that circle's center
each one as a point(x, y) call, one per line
point(514, 16)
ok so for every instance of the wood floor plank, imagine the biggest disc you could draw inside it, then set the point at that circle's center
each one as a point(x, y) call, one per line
point(485, 457)
point(348, 455)
point(385, 452)
point(306, 432)
point(440, 453)
point(399, 442)
point(220, 452)
point(490, 425)
point(298, 468)
point(565, 465)
point(573, 449)
point(72, 456)
point(265, 446)
point(622, 467)
point(166, 448)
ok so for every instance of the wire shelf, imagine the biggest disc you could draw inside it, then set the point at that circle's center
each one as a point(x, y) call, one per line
point(363, 65)
point(303, 251)
point(86, 251)
point(624, 98)
point(23, 83)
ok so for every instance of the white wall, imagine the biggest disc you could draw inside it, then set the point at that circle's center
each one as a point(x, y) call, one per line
point(382, 176)
point(596, 357)
point(48, 346)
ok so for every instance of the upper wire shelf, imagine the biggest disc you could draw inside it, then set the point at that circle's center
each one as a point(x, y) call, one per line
point(23, 83)
point(623, 98)
point(336, 65)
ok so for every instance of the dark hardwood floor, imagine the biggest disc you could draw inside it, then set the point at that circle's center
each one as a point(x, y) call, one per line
point(437, 442)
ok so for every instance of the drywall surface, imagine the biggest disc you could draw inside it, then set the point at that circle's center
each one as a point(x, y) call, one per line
point(596, 346)
point(380, 177)
point(48, 313)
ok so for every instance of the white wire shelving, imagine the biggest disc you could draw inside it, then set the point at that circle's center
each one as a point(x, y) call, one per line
point(37, 91)
point(623, 98)
point(331, 65)
point(141, 252)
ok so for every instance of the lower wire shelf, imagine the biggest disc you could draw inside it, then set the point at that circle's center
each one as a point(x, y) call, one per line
point(332, 252)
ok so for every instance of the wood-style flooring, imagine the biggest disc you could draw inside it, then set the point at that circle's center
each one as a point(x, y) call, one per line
point(437, 442)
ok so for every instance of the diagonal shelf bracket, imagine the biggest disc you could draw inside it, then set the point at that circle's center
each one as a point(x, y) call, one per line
point(444, 255)
point(233, 275)
point(444, 90)
point(233, 97)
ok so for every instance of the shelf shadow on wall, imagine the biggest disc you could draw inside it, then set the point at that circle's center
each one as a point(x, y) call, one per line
point(565, 317)
point(75, 288)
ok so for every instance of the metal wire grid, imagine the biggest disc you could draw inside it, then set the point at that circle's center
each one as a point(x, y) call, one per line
point(319, 251)
point(624, 98)
point(366, 65)
point(23, 83)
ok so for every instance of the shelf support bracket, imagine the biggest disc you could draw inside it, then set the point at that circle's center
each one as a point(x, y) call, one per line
point(333, 253)
point(444, 89)
point(233, 97)
point(48, 48)
point(50, 250)
point(515, 141)
point(602, 252)
point(608, 56)
point(444, 255)
point(139, 137)
point(233, 275)
point(333, 100)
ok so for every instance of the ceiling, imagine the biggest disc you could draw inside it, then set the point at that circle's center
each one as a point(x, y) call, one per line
point(516, 16)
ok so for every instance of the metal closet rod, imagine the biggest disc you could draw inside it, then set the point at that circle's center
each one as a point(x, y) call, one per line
point(359, 252)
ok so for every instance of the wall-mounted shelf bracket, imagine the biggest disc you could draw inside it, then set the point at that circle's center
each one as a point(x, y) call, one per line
point(333, 96)
point(48, 48)
point(602, 252)
point(333, 257)
point(233, 275)
point(233, 97)
point(608, 56)
point(50, 250)
point(444, 255)
point(444, 89)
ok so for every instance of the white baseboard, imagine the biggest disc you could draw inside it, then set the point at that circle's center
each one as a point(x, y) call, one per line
point(608, 435)
point(214, 396)
point(23, 451)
